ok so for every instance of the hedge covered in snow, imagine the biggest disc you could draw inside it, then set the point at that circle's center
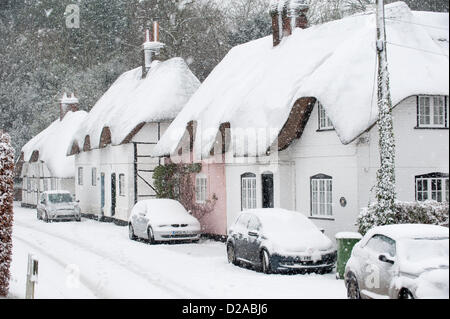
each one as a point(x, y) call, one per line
point(6, 210)
point(428, 212)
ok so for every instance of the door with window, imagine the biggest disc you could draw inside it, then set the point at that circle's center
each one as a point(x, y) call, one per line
point(102, 193)
point(113, 194)
point(267, 190)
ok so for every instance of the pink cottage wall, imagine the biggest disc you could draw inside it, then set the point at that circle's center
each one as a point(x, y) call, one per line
point(215, 223)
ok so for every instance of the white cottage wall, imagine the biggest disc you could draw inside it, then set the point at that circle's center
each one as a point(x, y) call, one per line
point(353, 167)
point(418, 152)
point(118, 160)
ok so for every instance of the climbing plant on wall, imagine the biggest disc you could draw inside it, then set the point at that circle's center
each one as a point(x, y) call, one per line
point(176, 181)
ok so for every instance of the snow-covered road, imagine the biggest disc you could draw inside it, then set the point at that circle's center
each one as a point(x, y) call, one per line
point(97, 260)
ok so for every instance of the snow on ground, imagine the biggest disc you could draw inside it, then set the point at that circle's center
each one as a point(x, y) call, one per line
point(111, 266)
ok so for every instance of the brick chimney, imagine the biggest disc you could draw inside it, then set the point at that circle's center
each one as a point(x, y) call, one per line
point(68, 104)
point(150, 48)
point(286, 16)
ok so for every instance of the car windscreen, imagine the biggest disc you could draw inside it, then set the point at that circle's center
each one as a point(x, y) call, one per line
point(420, 249)
point(286, 224)
point(60, 198)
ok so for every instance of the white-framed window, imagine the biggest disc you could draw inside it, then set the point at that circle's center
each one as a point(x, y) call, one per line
point(248, 191)
point(321, 196)
point(201, 182)
point(324, 120)
point(80, 175)
point(121, 184)
point(433, 186)
point(45, 184)
point(432, 112)
point(94, 176)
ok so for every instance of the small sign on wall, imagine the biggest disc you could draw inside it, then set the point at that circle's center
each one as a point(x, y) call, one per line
point(343, 202)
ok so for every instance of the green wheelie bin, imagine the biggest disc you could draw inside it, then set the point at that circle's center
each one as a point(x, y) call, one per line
point(345, 243)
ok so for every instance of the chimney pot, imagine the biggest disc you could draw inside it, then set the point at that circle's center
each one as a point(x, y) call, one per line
point(151, 47)
point(68, 104)
point(286, 16)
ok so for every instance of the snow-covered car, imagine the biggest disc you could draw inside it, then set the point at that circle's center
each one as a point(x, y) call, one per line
point(274, 240)
point(57, 205)
point(162, 220)
point(400, 262)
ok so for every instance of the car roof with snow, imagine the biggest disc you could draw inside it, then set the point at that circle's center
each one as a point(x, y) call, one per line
point(409, 231)
point(56, 192)
point(256, 85)
point(160, 205)
point(273, 216)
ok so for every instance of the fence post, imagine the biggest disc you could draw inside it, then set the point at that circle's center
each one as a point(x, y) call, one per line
point(32, 276)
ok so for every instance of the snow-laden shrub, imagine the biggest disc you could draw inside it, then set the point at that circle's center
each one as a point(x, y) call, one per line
point(6, 210)
point(428, 212)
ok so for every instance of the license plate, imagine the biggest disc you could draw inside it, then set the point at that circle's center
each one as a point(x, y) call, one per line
point(179, 233)
point(306, 258)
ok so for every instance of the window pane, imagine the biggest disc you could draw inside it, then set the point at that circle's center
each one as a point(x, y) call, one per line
point(438, 110)
point(424, 110)
point(446, 189)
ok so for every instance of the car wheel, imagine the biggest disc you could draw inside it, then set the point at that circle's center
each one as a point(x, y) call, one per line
point(328, 270)
point(353, 288)
point(405, 294)
point(265, 262)
point(231, 254)
point(151, 236)
point(131, 234)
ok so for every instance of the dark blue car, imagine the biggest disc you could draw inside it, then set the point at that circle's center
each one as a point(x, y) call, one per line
point(275, 240)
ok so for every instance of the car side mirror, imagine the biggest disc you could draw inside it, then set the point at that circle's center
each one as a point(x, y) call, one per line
point(253, 233)
point(385, 259)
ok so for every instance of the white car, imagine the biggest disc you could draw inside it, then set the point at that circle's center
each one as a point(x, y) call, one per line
point(162, 220)
point(400, 262)
point(57, 205)
point(275, 240)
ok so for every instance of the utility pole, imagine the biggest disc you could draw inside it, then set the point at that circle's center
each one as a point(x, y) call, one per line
point(385, 192)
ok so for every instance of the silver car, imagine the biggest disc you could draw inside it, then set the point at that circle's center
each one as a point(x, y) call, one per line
point(162, 220)
point(57, 205)
point(400, 262)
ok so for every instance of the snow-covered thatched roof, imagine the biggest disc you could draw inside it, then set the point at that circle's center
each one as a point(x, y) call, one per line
point(51, 144)
point(131, 101)
point(256, 84)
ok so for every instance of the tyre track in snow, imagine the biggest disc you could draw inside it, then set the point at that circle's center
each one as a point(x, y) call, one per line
point(181, 292)
point(93, 287)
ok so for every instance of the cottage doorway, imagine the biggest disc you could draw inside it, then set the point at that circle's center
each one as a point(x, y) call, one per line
point(102, 192)
point(113, 194)
point(267, 190)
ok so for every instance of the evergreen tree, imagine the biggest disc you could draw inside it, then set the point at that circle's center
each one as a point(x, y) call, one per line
point(385, 188)
point(6, 210)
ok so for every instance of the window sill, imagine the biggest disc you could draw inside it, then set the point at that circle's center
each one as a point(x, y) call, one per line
point(430, 128)
point(325, 130)
point(322, 218)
